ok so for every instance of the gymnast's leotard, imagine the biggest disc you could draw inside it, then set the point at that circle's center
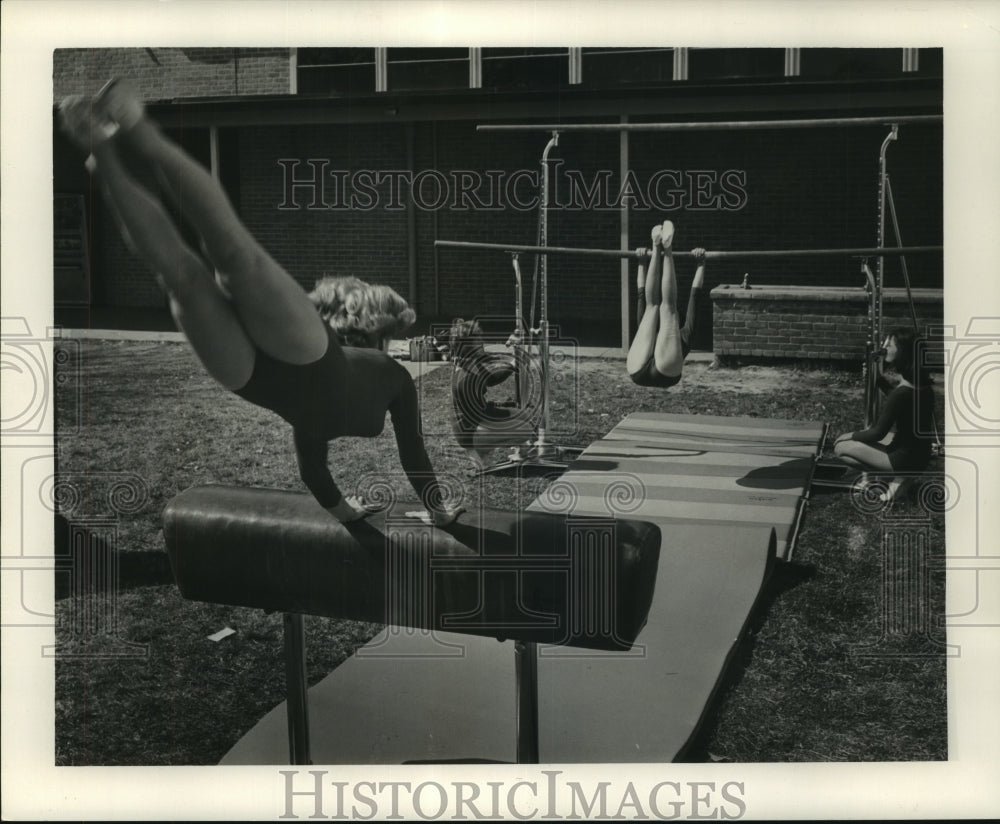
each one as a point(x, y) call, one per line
point(910, 411)
point(648, 374)
point(345, 393)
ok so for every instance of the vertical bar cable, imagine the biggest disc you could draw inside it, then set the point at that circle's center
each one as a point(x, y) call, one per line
point(623, 152)
point(411, 217)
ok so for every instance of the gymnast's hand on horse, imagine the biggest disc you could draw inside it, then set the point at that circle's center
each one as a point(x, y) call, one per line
point(317, 360)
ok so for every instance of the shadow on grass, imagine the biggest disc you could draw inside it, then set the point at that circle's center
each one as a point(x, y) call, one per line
point(86, 565)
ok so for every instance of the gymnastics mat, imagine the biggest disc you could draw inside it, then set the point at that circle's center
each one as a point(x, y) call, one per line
point(670, 469)
point(415, 697)
point(726, 494)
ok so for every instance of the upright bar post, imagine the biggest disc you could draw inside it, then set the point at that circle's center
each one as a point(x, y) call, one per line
point(543, 323)
point(297, 703)
point(517, 339)
point(870, 346)
point(623, 225)
point(526, 673)
point(882, 181)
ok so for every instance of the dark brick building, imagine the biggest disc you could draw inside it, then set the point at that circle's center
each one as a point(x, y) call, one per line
point(354, 160)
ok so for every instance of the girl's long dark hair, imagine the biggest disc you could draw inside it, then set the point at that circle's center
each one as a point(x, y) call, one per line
point(907, 357)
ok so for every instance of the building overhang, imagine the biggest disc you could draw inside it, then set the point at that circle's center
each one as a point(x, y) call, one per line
point(678, 101)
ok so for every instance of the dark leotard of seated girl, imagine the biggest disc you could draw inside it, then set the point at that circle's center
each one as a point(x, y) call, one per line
point(910, 411)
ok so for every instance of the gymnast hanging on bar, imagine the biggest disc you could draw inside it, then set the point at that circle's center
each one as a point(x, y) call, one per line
point(253, 327)
point(656, 356)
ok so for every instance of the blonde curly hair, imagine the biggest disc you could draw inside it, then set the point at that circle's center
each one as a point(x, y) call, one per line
point(361, 314)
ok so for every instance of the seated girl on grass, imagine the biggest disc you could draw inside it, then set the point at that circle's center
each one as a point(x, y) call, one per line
point(907, 411)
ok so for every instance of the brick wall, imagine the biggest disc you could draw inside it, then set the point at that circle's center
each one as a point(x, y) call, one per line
point(787, 189)
point(165, 73)
point(822, 323)
point(791, 190)
point(804, 189)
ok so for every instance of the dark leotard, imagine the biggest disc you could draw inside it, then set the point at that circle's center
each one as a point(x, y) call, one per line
point(910, 411)
point(649, 375)
point(345, 393)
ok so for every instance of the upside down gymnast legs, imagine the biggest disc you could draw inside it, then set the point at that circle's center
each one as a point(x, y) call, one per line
point(656, 356)
point(255, 330)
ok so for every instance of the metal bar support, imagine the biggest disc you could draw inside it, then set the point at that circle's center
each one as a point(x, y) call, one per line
point(641, 254)
point(297, 703)
point(526, 666)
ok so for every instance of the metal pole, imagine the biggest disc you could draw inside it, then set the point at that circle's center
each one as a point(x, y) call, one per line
point(543, 322)
point(893, 135)
point(411, 220)
point(297, 703)
point(871, 345)
point(623, 225)
point(722, 125)
point(642, 254)
point(517, 340)
point(902, 260)
point(526, 673)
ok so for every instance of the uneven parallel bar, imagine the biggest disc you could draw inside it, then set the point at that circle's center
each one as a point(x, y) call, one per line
point(721, 255)
point(710, 125)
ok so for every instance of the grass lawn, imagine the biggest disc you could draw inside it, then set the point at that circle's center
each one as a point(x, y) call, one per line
point(815, 680)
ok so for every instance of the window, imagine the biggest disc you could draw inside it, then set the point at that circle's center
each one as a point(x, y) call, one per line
point(929, 62)
point(851, 64)
point(614, 67)
point(339, 71)
point(507, 68)
point(735, 64)
point(436, 68)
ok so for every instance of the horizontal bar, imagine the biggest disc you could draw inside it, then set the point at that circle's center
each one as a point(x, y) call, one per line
point(711, 125)
point(721, 255)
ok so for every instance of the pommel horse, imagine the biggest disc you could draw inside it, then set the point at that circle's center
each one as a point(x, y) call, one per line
point(528, 577)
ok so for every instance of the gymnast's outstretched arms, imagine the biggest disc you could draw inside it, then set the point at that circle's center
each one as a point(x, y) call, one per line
point(404, 411)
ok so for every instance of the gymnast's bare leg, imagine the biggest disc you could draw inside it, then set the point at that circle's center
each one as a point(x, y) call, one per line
point(274, 310)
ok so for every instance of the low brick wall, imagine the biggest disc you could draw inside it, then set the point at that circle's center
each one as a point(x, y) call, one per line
point(811, 322)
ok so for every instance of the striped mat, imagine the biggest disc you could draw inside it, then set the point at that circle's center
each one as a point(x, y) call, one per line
point(721, 489)
point(697, 469)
